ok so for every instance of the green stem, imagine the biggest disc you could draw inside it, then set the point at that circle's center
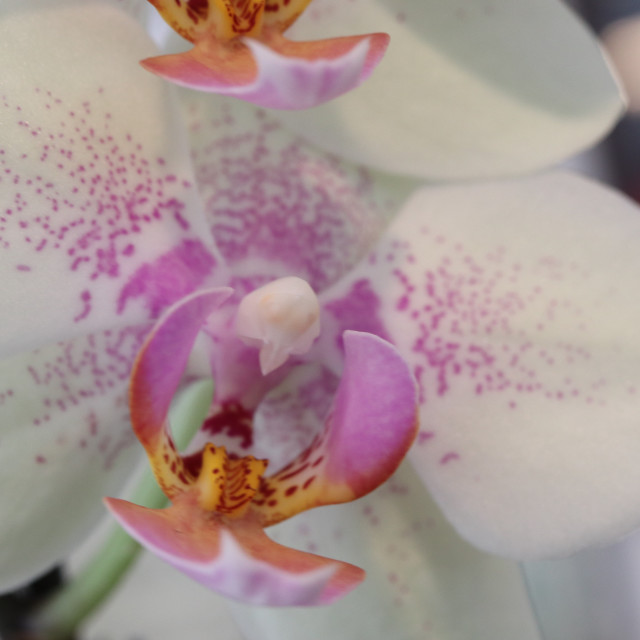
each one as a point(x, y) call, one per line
point(76, 600)
point(84, 593)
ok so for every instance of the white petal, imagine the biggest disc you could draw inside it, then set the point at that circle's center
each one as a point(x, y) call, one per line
point(517, 305)
point(466, 89)
point(99, 219)
point(422, 580)
point(65, 442)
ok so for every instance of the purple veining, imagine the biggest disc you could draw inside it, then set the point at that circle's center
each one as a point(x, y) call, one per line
point(276, 207)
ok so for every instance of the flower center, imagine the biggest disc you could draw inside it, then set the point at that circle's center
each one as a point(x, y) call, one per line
point(227, 485)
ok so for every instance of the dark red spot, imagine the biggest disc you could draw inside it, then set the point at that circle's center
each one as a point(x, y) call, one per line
point(291, 490)
point(294, 473)
point(265, 489)
point(308, 482)
point(235, 421)
point(198, 10)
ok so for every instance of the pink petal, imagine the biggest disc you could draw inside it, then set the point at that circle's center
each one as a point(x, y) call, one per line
point(96, 189)
point(373, 421)
point(162, 360)
point(279, 74)
point(276, 205)
point(515, 305)
point(370, 427)
point(235, 559)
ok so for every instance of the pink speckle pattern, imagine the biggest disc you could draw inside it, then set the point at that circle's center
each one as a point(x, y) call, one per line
point(359, 310)
point(170, 277)
point(78, 194)
point(466, 311)
point(77, 390)
point(276, 206)
point(464, 316)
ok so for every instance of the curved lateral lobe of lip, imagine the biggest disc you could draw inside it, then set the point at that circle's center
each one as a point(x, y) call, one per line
point(275, 72)
point(155, 378)
point(514, 304)
point(235, 559)
point(369, 429)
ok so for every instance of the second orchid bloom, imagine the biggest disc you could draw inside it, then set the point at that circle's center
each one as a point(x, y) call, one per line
point(239, 50)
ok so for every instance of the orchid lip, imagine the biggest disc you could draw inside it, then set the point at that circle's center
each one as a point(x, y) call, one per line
point(218, 496)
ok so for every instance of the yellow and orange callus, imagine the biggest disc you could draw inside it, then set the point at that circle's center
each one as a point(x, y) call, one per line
point(227, 485)
point(222, 20)
point(303, 484)
point(168, 466)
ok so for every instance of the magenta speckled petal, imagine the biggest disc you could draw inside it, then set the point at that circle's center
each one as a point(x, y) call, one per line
point(162, 360)
point(65, 436)
point(278, 206)
point(514, 303)
point(279, 74)
point(236, 558)
point(369, 429)
point(101, 224)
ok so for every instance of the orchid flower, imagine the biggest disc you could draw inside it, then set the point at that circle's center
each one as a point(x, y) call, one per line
point(495, 294)
point(221, 500)
point(239, 50)
point(510, 299)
